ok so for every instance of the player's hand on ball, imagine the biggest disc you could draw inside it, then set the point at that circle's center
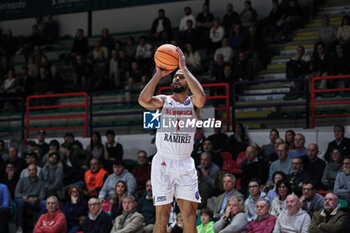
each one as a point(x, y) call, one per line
point(182, 60)
point(163, 73)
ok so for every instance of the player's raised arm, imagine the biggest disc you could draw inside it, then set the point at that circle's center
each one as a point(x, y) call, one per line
point(146, 98)
point(199, 96)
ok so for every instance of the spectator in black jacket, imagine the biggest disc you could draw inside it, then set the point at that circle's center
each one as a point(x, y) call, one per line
point(26, 85)
point(293, 18)
point(161, 28)
point(82, 72)
point(243, 69)
point(97, 221)
point(321, 64)
point(106, 39)
point(272, 22)
point(230, 18)
point(341, 143)
point(314, 166)
point(80, 44)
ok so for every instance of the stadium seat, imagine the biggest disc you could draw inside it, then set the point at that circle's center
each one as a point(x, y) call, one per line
point(240, 158)
point(226, 155)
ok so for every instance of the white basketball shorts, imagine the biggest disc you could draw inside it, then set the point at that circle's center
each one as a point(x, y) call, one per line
point(171, 178)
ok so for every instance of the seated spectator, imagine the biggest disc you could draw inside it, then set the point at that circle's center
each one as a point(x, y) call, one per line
point(142, 171)
point(44, 62)
point(283, 164)
point(123, 66)
point(193, 59)
point(331, 170)
point(272, 22)
point(342, 181)
point(273, 156)
point(26, 84)
point(14, 158)
point(188, 16)
point(205, 191)
point(82, 72)
point(41, 135)
point(340, 63)
point(5, 207)
point(341, 142)
point(217, 71)
point(30, 194)
point(225, 50)
point(10, 178)
point(311, 201)
point(208, 169)
point(80, 44)
point(75, 209)
point(96, 147)
point(283, 189)
point(293, 219)
point(51, 29)
point(54, 146)
point(113, 77)
point(321, 64)
point(207, 224)
point(236, 38)
point(30, 159)
point(161, 28)
point(230, 18)
point(189, 35)
point(272, 193)
point(234, 219)
point(179, 224)
point(130, 47)
point(216, 34)
point(33, 69)
point(314, 166)
point(218, 139)
point(298, 66)
point(253, 167)
point(100, 69)
point(204, 22)
point(98, 48)
point(119, 173)
point(42, 83)
point(300, 150)
point(120, 190)
point(255, 195)
point(94, 178)
point(264, 221)
point(293, 18)
point(143, 50)
point(298, 175)
point(8, 88)
point(229, 182)
point(75, 156)
point(52, 176)
point(343, 33)
point(243, 70)
point(97, 221)
point(253, 45)
point(216, 158)
point(56, 83)
point(146, 208)
point(269, 149)
point(197, 145)
point(289, 138)
point(137, 77)
point(248, 15)
point(106, 39)
point(238, 141)
point(114, 150)
point(131, 220)
point(327, 34)
point(53, 221)
point(330, 218)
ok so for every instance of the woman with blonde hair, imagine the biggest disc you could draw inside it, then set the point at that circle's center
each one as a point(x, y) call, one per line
point(120, 190)
point(234, 219)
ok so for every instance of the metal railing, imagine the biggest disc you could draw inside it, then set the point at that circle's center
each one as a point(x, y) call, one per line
point(314, 103)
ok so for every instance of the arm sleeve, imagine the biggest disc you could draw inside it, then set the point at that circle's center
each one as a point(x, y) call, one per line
point(107, 225)
point(37, 228)
point(277, 228)
point(338, 187)
point(6, 198)
point(270, 224)
point(131, 182)
point(60, 226)
point(306, 224)
point(238, 224)
point(313, 225)
point(325, 174)
point(132, 226)
point(103, 191)
point(219, 225)
point(42, 191)
point(333, 227)
point(19, 187)
point(58, 181)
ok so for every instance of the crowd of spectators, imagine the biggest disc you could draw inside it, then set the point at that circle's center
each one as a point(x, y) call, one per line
point(85, 189)
point(235, 45)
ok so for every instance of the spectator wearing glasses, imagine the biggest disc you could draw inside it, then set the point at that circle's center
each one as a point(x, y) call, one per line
point(283, 164)
point(97, 221)
point(264, 222)
point(283, 189)
point(255, 195)
point(298, 176)
point(53, 221)
point(94, 178)
point(311, 201)
point(342, 181)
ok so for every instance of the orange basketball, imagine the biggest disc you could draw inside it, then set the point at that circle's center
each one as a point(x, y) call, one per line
point(166, 57)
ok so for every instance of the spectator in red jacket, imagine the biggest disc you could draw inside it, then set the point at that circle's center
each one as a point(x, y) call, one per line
point(264, 221)
point(53, 221)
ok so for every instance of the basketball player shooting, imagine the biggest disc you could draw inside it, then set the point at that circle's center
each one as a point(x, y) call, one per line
point(173, 171)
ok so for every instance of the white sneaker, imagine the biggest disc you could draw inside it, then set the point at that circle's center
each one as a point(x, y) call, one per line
point(19, 229)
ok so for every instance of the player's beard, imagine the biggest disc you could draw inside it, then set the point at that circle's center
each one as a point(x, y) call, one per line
point(178, 89)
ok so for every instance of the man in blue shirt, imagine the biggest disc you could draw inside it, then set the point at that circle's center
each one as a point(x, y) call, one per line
point(5, 201)
point(300, 150)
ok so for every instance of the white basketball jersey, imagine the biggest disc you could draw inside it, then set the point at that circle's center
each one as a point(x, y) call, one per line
point(175, 138)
